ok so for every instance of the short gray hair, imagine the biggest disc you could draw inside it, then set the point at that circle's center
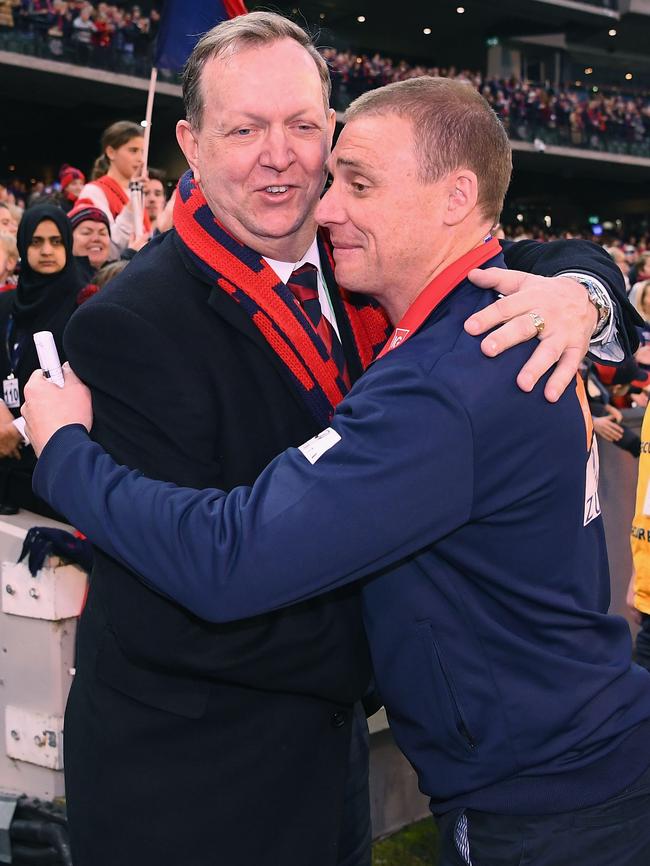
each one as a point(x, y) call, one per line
point(245, 31)
point(453, 127)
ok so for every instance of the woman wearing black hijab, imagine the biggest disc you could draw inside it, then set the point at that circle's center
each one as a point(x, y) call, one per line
point(44, 300)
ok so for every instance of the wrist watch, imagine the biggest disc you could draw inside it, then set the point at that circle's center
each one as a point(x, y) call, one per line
point(599, 298)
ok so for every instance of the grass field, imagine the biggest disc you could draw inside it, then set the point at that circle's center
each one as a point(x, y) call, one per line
point(416, 845)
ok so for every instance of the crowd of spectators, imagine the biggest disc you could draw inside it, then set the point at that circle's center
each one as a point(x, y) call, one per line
point(574, 116)
point(121, 38)
point(105, 35)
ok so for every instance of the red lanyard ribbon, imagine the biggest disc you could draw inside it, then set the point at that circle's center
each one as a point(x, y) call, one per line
point(437, 291)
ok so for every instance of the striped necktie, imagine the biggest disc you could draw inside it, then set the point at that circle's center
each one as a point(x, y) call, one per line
point(303, 284)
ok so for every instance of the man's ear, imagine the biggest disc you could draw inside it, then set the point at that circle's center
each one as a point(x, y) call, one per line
point(462, 196)
point(189, 145)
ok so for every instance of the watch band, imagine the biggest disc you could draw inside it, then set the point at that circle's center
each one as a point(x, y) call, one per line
point(598, 297)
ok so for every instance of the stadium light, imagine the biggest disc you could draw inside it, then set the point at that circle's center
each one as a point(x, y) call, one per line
point(460, 9)
point(588, 70)
point(143, 123)
point(612, 32)
point(628, 76)
point(547, 221)
point(427, 31)
point(361, 18)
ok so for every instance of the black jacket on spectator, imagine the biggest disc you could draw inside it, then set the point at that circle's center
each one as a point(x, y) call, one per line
point(40, 302)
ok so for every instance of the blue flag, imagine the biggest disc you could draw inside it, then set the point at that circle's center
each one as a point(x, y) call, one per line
point(183, 23)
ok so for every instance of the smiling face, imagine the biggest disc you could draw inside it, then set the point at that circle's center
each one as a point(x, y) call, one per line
point(46, 252)
point(91, 239)
point(384, 222)
point(259, 156)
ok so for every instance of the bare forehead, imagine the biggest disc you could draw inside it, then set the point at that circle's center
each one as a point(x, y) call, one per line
point(374, 141)
point(92, 225)
point(254, 72)
point(46, 229)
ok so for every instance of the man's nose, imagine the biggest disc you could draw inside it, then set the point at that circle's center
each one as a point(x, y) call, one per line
point(329, 210)
point(277, 152)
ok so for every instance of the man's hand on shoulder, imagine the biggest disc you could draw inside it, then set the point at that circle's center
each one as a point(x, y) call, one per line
point(48, 408)
point(562, 304)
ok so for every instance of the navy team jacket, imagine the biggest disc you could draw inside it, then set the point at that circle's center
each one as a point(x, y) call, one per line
point(466, 507)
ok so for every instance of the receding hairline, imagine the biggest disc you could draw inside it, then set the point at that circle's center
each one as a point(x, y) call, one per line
point(233, 49)
point(251, 30)
point(441, 112)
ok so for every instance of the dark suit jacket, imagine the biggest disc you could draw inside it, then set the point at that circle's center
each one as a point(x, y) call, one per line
point(186, 389)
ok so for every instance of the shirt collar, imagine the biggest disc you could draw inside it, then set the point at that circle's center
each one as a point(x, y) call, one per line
point(285, 269)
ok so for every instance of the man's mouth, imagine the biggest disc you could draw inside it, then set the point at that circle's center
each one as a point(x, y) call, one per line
point(276, 190)
point(343, 247)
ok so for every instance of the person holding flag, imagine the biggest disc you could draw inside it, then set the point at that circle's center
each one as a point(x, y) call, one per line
point(120, 162)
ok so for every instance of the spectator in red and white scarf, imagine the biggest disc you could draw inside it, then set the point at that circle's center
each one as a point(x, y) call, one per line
point(120, 161)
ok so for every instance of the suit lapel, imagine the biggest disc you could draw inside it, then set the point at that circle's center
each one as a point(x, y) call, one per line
point(220, 303)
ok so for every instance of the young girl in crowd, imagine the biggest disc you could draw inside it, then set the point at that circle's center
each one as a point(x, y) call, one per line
point(121, 161)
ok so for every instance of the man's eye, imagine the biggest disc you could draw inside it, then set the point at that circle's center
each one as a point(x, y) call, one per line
point(244, 132)
point(357, 186)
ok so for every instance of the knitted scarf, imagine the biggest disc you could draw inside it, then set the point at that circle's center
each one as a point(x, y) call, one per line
point(116, 197)
point(271, 306)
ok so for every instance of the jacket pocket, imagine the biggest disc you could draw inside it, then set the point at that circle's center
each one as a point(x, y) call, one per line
point(445, 685)
point(179, 695)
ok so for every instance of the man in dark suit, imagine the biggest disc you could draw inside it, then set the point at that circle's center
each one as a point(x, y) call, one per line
point(188, 742)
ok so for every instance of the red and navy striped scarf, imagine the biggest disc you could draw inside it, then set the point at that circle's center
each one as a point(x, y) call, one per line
point(254, 285)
